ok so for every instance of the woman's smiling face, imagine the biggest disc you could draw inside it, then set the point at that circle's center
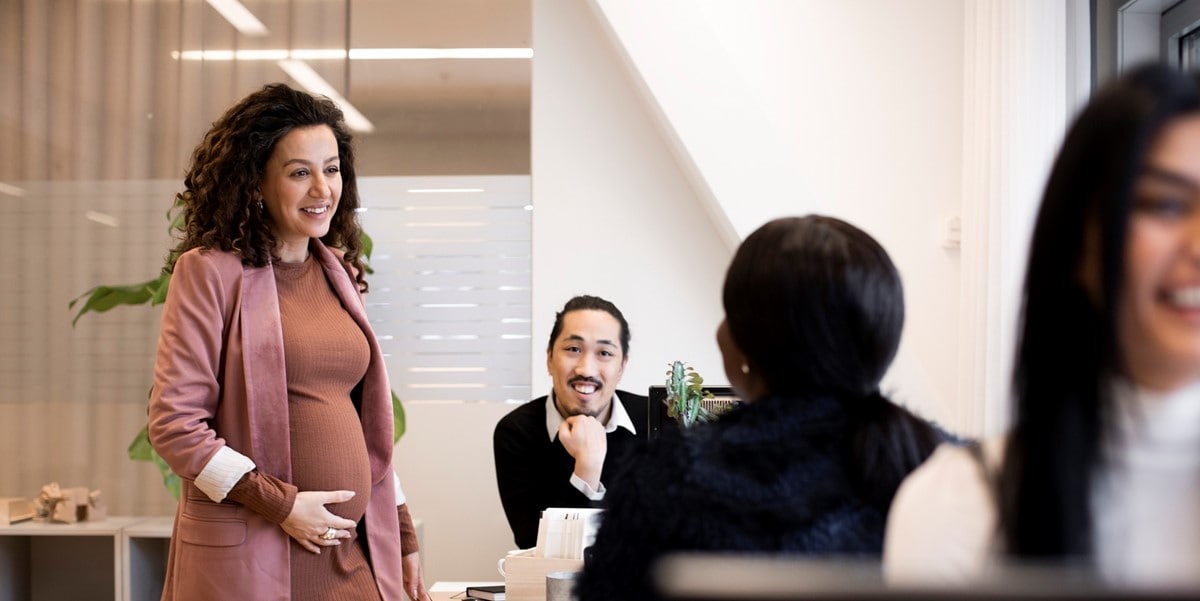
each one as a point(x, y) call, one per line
point(301, 187)
point(1158, 319)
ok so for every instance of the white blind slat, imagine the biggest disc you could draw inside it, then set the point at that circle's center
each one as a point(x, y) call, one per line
point(450, 296)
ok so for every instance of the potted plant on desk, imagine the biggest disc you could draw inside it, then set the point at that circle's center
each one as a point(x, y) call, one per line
point(686, 396)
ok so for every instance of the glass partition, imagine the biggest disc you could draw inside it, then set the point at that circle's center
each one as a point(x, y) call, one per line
point(101, 104)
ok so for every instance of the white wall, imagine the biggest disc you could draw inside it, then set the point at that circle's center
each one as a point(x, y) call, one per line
point(614, 214)
point(445, 464)
point(849, 108)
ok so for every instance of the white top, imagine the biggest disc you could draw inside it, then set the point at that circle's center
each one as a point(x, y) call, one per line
point(1145, 502)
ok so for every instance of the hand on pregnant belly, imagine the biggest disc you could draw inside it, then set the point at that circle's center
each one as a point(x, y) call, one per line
point(312, 525)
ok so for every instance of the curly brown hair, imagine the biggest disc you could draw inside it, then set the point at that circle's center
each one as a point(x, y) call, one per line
point(220, 197)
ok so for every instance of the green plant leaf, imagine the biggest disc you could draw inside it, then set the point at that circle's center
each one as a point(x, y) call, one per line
point(140, 449)
point(170, 479)
point(368, 245)
point(160, 291)
point(398, 419)
point(178, 221)
point(103, 298)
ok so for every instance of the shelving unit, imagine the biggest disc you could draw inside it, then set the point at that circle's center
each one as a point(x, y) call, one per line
point(65, 562)
point(51, 562)
point(144, 548)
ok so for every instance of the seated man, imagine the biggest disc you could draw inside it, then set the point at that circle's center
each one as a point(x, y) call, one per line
point(553, 451)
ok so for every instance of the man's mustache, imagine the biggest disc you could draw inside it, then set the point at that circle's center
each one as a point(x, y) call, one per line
point(588, 379)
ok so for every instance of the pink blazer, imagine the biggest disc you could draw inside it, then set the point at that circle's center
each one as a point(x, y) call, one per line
point(219, 381)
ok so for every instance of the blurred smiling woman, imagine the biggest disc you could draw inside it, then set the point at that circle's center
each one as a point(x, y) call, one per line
point(1101, 469)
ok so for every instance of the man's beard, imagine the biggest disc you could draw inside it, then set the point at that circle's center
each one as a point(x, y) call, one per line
point(571, 412)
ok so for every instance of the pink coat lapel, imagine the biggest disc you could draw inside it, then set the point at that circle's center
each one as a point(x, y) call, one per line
point(266, 375)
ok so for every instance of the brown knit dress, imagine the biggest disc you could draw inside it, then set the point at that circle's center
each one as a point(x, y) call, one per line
point(326, 355)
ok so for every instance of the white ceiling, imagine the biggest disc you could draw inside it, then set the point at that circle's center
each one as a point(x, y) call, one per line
point(442, 97)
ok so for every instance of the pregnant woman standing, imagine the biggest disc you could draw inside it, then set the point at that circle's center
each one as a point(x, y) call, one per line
point(271, 399)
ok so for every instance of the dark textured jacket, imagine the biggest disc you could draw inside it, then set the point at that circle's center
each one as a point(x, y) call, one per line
point(770, 476)
point(533, 473)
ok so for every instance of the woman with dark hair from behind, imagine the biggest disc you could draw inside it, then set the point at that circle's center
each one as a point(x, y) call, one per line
point(1101, 468)
point(809, 463)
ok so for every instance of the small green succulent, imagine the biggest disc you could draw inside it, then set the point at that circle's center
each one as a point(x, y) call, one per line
point(685, 396)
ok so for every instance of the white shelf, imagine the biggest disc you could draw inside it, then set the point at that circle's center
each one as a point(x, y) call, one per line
point(64, 562)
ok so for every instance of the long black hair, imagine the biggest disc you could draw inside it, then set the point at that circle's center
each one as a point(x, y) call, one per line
point(1067, 348)
point(817, 307)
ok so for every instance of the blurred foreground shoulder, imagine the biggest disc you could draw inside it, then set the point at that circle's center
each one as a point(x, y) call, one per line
point(942, 522)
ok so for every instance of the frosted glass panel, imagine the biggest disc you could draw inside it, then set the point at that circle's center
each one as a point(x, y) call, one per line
point(450, 297)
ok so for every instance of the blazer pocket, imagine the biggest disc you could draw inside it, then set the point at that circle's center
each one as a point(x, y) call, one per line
point(210, 532)
point(209, 524)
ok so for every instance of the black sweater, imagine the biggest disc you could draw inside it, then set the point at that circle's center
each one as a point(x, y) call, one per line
point(533, 473)
point(773, 475)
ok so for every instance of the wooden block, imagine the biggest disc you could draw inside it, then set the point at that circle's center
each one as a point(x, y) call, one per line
point(77, 495)
point(65, 512)
point(525, 577)
point(96, 509)
point(15, 509)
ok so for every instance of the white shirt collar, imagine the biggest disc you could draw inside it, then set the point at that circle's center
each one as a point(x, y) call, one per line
point(617, 418)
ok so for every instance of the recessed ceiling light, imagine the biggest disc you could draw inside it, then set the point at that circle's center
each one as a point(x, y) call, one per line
point(438, 53)
point(102, 218)
point(11, 190)
point(367, 54)
point(442, 190)
point(313, 82)
point(239, 16)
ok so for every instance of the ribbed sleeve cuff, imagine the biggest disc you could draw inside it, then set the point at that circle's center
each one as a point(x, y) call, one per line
point(408, 532)
point(223, 471)
point(265, 495)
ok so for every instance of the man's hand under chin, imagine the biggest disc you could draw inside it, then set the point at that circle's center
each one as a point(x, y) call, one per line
point(584, 438)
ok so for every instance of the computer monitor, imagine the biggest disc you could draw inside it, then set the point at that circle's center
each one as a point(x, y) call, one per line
point(657, 418)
